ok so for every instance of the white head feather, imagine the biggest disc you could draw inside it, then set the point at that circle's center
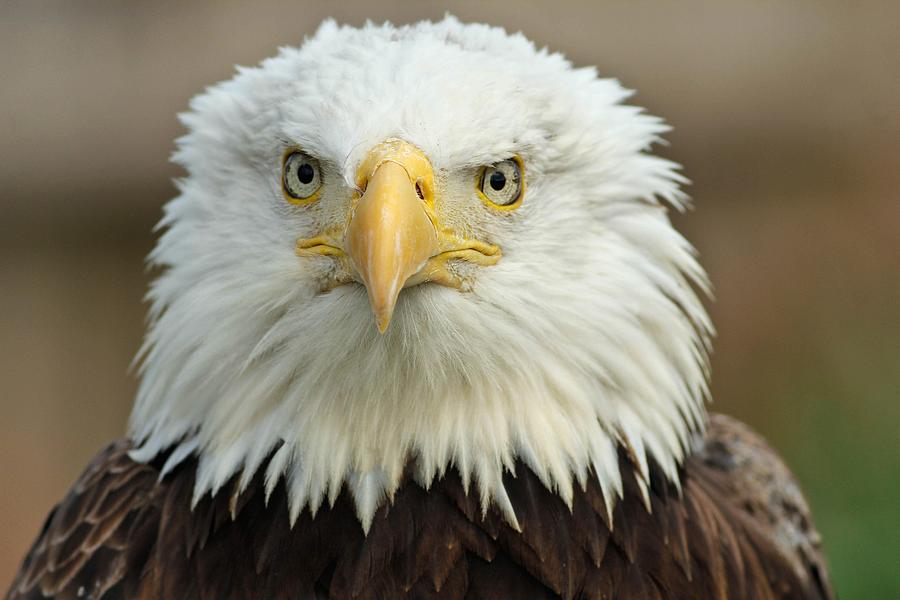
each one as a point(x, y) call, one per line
point(586, 335)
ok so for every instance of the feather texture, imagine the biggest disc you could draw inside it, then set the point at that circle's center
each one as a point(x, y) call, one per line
point(738, 530)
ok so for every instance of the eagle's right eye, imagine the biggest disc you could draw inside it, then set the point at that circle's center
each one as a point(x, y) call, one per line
point(301, 177)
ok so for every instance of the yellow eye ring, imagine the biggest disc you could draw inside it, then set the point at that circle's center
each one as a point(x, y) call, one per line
point(301, 177)
point(502, 185)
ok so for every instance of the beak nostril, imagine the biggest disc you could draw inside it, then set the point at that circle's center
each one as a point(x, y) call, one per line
point(419, 191)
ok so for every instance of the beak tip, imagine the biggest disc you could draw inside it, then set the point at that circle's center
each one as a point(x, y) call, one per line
point(383, 305)
point(382, 321)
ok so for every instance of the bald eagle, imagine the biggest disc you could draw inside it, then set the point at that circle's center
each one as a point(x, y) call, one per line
point(423, 329)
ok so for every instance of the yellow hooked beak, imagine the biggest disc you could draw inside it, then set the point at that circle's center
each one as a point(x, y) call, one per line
point(391, 235)
point(393, 239)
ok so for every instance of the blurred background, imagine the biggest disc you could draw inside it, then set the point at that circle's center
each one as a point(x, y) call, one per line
point(786, 117)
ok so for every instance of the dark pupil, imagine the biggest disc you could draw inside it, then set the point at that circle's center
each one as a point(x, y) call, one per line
point(498, 180)
point(305, 173)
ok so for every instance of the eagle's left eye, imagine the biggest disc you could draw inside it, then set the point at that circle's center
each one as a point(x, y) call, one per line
point(301, 178)
point(501, 185)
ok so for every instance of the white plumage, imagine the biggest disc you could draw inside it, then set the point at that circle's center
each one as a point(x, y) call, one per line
point(588, 332)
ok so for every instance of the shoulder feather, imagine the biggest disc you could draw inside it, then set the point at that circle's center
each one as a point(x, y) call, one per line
point(737, 527)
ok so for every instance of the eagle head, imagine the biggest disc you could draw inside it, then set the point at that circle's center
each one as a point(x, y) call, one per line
point(433, 246)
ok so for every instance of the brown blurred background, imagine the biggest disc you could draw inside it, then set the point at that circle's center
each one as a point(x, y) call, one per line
point(786, 117)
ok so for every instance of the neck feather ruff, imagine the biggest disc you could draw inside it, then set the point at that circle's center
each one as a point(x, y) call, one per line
point(474, 390)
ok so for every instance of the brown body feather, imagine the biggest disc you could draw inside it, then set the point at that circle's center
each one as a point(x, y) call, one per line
point(739, 529)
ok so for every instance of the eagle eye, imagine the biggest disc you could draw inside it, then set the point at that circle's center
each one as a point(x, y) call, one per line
point(501, 185)
point(301, 177)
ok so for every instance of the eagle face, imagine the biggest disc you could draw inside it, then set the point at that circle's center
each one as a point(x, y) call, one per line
point(431, 243)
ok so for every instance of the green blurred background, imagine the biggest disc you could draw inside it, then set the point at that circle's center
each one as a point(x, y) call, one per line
point(786, 116)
